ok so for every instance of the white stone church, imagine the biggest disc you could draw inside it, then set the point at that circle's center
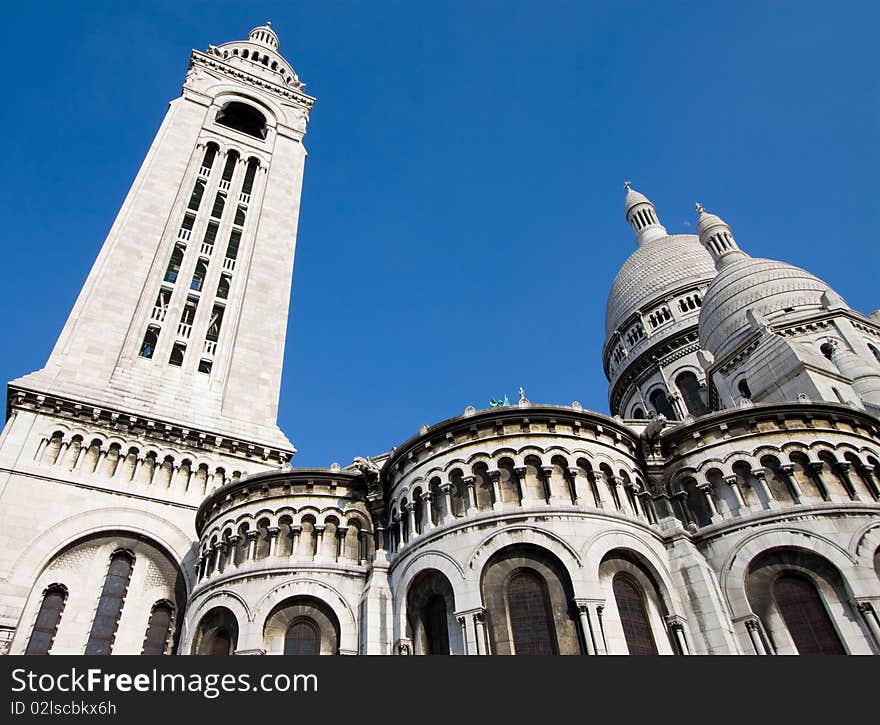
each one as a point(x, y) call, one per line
point(729, 505)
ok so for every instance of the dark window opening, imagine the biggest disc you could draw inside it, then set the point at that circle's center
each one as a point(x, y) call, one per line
point(662, 405)
point(805, 616)
point(248, 186)
point(234, 241)
point(196, 199)
point(219, 203)
point(689, 386)
point(174, 265)
point(223, 287)
point(106, 619)
point(633, 616)
point(303, 638)
point(531, 621)
point(436, 626)
point(638, 414)
point(216, 322)
point(229, 169)
point(177, 353)
point(48, 619)
point(199, 276)
point(205, 366)
point(242, 117)
point(148, 346)
point(743, 387)
point(158, 629)
point(210, 155)
point(239, 216)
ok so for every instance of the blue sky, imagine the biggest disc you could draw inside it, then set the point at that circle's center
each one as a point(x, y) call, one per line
point(462, 215)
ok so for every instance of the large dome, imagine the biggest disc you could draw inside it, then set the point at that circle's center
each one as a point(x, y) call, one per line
point(769, 288)
point(656, 268)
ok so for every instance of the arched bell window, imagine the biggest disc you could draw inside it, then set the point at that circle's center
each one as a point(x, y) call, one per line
point(531, 620)
point(630, 601)
point(436, 628)
point(48, 619)
point(689, 386)
point(106, 621)
point(805, 616)
point(303, 638)
point(242, 117)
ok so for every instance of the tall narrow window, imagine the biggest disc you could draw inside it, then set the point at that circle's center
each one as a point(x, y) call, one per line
point(173, 268)
point(199, 275)
point(229, 169)
point(216, 322)
point(247, 187)
point(223, 287)
point(234, 240)
point(436, 626)
point(210, 153)
point(110, 604)
point(531, 622)
point(743, 387)
point(303, 638)
point(48, 619)
point(158, 629)
point(219, 204)
point(805, 616)
point(633, 616)
point(690, 390)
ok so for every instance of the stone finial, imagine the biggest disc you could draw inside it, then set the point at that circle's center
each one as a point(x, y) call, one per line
point(699, 207)
point(627, 185)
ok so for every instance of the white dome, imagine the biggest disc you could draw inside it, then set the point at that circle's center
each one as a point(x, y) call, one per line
point(769, 288)
point(657, 268)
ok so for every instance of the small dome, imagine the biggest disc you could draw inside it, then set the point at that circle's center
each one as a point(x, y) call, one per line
point(657, 268)
point(632, 198)
point(768, 288)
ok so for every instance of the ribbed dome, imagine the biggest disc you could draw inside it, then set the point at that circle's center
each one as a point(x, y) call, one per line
point(765, 286)
point(656, 268)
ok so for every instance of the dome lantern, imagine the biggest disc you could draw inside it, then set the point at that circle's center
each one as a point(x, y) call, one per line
point(642, 216)
point(717, 237)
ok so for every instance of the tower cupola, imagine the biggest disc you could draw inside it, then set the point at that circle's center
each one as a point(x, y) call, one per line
point(642, 216)
point(717, 238)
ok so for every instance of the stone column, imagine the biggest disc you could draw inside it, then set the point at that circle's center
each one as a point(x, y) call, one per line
point(272, 532)
point(844, 468)
point(524, 495)
point(319, 543)
point(574, 472)
point(462, 624)
point(252, 537)
point(760, 475)
point(471, 503)
point(816, 468)
point(635, 496)
point(753, 627)
point(737, 494)
point(446, 488)
point(482, 635)
point(865, 607)
point(597, 478)
point(363, 549)
point(411, 514)
point(787, 470)
point(677, 630)
point(428, 523)
point(706, 490)
point(584, 618)
point(595, 616)
point(553, 498)
point(231, 546)
point(495, 479)
point(341, 533)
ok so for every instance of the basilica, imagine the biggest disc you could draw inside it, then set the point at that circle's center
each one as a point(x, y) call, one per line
point(149, 503)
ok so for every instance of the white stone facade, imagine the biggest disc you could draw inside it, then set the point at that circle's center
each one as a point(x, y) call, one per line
point(146, 504)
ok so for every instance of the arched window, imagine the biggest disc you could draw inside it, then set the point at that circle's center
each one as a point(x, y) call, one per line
point(662, 405)
point(199, 275)
point(531, 622)
point(106, 619)
point(148, 346)
point(633, 616)
point(242, 117)
point(689, 387)
point(303, 638)
point(223, 286)
point(805, 616)
point(48, 619)
point(638, 414)
point(210, 152)
point(875, 351)
point(436, 629)
point(198, 192)
point(248, 186)
point(158, 629)
point(744, 389)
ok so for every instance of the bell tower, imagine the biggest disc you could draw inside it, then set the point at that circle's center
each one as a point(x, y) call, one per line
point(164, 382)
point(183, 315)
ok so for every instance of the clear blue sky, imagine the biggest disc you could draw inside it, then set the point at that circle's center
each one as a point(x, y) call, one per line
point(462, 209)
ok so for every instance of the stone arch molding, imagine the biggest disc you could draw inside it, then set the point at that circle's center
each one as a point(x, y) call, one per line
point(42, 548)
point(332, 597)
point(234, 602)
point(735, 567)
point(524, 534)
point(599, 546)
point(427, 561)
point(865, 542)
